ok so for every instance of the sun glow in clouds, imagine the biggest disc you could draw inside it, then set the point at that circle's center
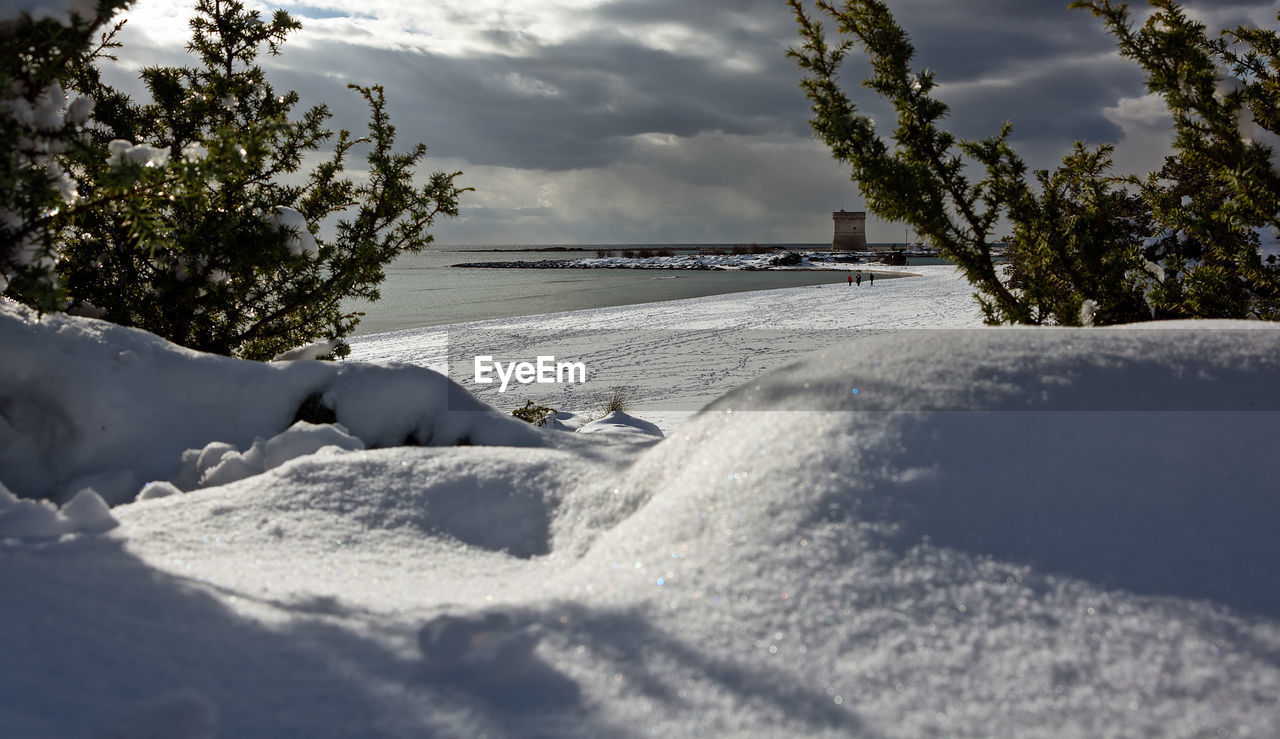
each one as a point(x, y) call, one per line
point(448, 27)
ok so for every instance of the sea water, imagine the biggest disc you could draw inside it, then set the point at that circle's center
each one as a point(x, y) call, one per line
point(424, 289)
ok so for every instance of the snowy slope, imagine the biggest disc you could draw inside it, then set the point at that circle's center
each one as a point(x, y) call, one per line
point(939, 298)
point(87, 403)
point(1074, 541)
point(1003, 532)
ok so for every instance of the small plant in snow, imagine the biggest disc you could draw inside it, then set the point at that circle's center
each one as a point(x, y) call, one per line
point(534, 414)
point(617, 401)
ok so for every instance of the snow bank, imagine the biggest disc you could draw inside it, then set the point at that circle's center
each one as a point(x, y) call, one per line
point(219, 463)
point(1002, 532)
point(316, 350)
point(617, 422)
point(85, 404)
point(86, 512)
point(990, 532)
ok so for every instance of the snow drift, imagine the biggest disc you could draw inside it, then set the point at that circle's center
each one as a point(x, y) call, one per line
point(87, 404)
point(969, 533)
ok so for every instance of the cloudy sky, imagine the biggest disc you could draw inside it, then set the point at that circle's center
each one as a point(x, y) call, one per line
point(679, 121)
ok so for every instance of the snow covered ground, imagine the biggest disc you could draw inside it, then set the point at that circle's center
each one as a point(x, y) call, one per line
point(949, 532)
point(674, 357)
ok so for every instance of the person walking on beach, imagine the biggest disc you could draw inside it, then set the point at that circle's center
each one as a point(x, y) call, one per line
point(872, 275)
point(859, 279)
point(850, 280)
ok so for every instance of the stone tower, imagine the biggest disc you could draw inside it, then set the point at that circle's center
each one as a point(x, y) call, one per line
point(851, 230)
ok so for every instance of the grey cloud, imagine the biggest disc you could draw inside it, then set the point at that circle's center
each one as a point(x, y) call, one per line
point(608, 87)
point(605, 91)
point(578, 105)
point(483, 213)
point(1060, 104)
point(719, 17)
point(709, 188)
point(509, 41)
point(303, 12)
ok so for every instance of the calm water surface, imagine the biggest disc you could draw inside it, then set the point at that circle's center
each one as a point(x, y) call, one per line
point(424, 290)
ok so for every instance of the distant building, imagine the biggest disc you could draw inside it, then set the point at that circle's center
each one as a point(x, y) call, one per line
point(850, 231)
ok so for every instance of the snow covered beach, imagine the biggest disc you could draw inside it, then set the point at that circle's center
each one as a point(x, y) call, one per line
point(428, 289)
point(674, 357)
point(1002, 532)
point(776, 260)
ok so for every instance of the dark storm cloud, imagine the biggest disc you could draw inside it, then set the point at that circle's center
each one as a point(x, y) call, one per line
point(711, 79)
point(578, 103)
point(993, 37)
point(1048, 69)
point(1060, 104)
point(570, 106)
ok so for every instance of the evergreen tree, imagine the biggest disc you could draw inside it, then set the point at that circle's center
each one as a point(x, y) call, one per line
point(38, 126)
point(203, 228)
point(1085, 246)
point(1223, 93)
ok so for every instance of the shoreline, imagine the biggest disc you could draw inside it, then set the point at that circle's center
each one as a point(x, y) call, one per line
point(772, 261)
point(572, 264)
point(442, 295)
point(940, 298)
point(943, 284)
